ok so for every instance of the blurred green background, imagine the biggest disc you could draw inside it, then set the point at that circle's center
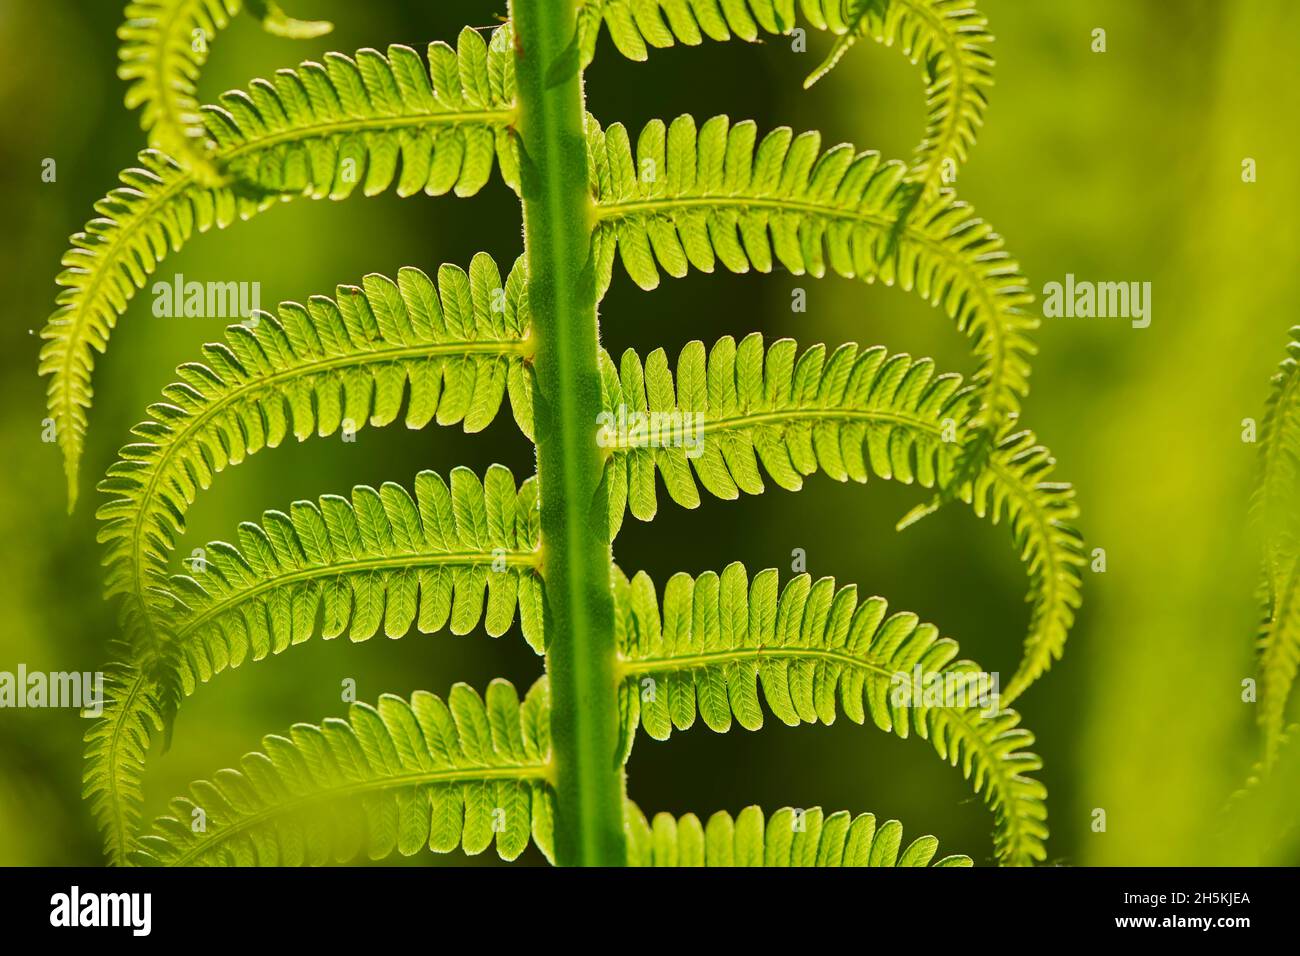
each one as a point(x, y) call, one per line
point(1123, 165)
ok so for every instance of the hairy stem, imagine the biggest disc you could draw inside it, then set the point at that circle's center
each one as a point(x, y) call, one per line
point(576, 555)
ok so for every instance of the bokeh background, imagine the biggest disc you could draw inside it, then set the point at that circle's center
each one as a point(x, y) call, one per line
point(1123, 165)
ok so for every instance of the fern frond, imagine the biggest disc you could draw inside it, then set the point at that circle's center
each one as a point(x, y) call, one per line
point(116, 746)
point(850, 414)
point(1041, 514)
point(788, 838)
point(164, 47)
point(318, 131)
point(1275, 510)
point(949, 38)
point(450, 352)
point(816, 651)
point(693, 198)
point(398, 777)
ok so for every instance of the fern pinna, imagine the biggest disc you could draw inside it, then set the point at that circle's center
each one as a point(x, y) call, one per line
point(453, 552)
point(1257, 826)
point(1274, 510)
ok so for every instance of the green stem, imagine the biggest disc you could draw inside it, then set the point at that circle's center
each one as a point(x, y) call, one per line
point(558, 225)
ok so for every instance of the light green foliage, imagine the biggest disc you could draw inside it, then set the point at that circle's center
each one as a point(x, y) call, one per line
point(398, 777)
point(1275, 510)
point(275, 21)
point(851, 414)
point(443, 123)
point(116, 747)
point(636, 25)
point(1259, 823)
point(454, 349)
point(164, 46)
point(693, 197)
point(1279, 464)
point(1279, 653)
point(384, 560)
point(815, 652)
point(789, 838)
point(318, 131)
point(948, 37)
point(407, 775)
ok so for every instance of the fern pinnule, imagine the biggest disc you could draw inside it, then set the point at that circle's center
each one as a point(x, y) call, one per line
point(449, 352)
point(319, 131)
point(719, 194)
point(635, 26)
point(852, 414)
point(815, 652)
point(399, 777)
point(789, 837)
point(278, 23)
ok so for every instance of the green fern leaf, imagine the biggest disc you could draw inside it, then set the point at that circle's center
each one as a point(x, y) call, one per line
point(384, 559)
point(950, 38)
point(405, 775)
point(398, 777)
point(816, 651)
point(1273, 501)
point(450, 351)
point(694, 198)
point(852, 414)
point(1279, 656)
point(1274, 508)
point(116, 746)
point(788, 838)
point(319, 131)
point(164, 47)
point(278, 23)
